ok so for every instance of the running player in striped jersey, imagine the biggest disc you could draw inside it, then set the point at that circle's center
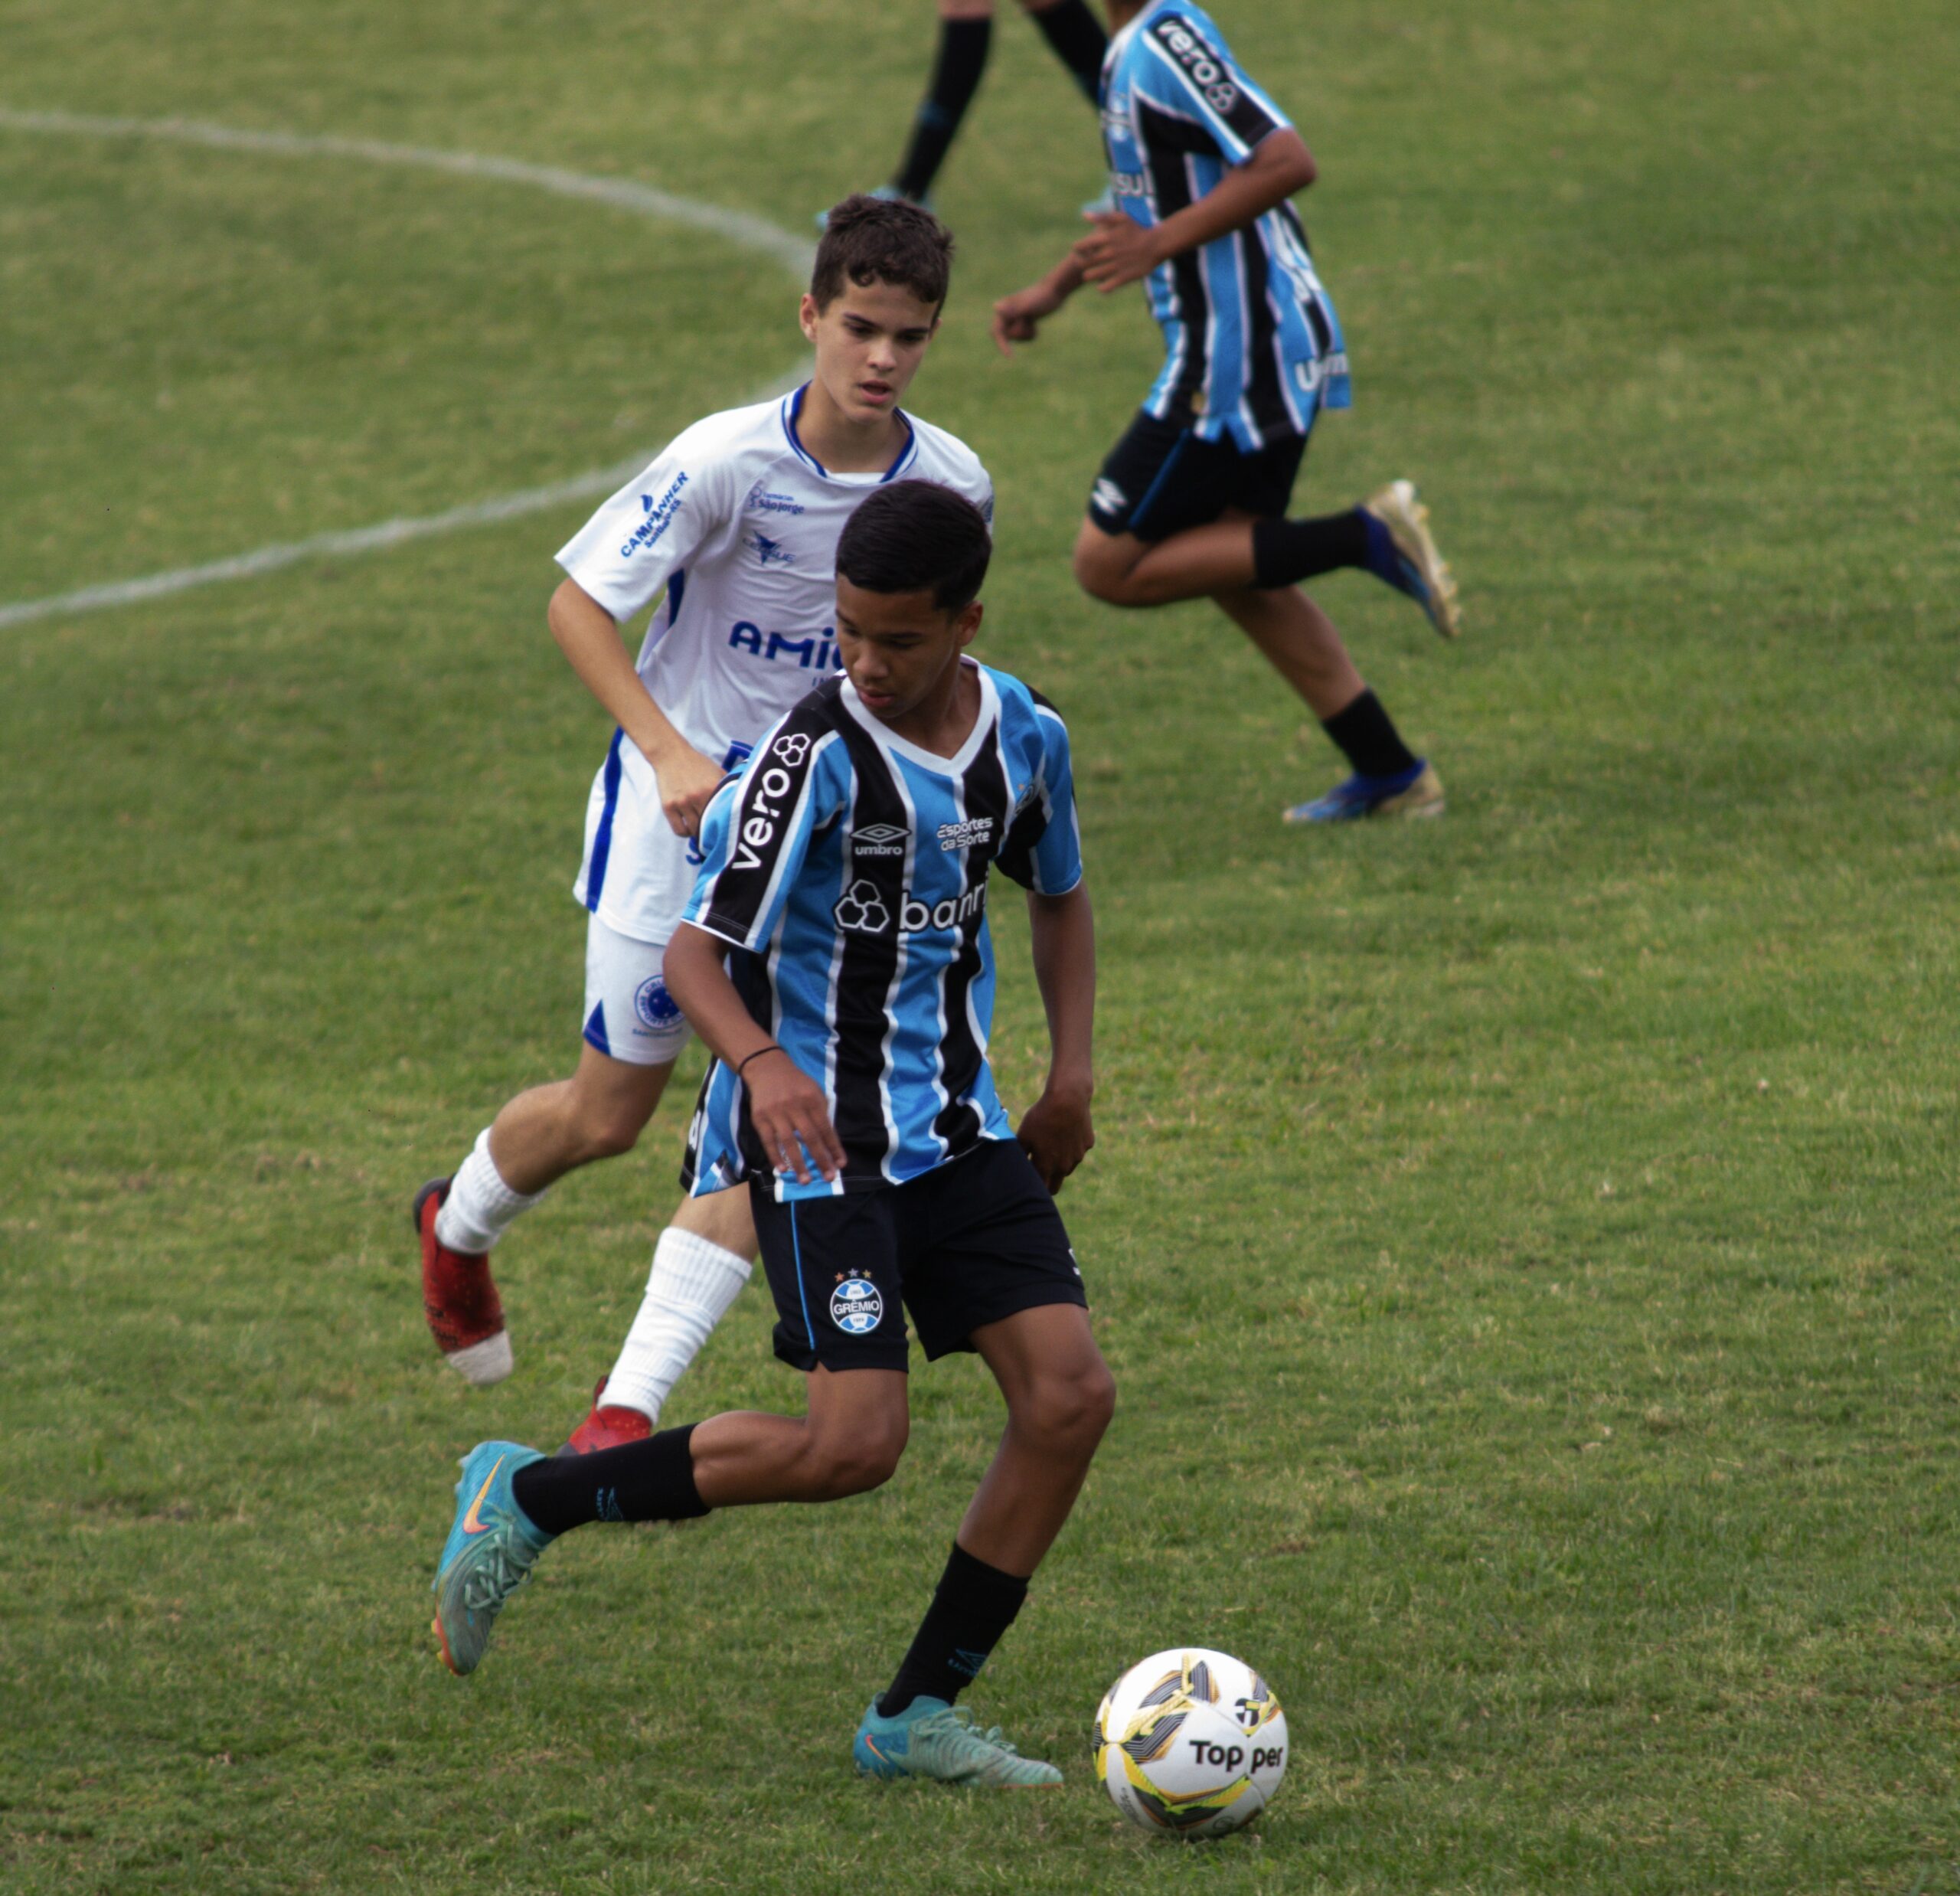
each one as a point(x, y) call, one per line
point(846, 887)
point(1191, 502)
point(738, 521)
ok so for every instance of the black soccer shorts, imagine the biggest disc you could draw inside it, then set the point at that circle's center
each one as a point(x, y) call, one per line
point(972, 1241)
point(1161, 479)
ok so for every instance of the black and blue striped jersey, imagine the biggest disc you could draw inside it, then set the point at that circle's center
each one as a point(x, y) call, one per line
point(1252, 346)
point(847, 869)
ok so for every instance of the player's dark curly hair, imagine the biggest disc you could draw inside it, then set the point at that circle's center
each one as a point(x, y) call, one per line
point(917, 536)
point(871, 241)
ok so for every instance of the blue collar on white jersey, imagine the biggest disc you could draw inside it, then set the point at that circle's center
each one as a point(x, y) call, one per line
point(793, 406)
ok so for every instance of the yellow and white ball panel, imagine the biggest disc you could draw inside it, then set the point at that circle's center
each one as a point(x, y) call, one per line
point(1190, 1742)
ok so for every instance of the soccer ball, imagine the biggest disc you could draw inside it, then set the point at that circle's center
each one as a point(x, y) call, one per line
point(1191, 1743)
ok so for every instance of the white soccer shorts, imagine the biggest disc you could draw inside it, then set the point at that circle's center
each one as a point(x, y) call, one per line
point(628, 1013)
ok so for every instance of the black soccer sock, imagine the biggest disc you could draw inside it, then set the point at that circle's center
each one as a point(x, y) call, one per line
point(1368, 738)
point(1078, 41)
point(963, 45)
point(1285, 552)
point(974, 1605)
point(652, 1480)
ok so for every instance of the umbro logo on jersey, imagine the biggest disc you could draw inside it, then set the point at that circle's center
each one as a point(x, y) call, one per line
point(974, 833)
point(659, 517)
point(761, 500)
point(879, 839)
point(769, 552)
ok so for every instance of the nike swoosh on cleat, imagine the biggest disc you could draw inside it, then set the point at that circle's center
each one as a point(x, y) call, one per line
point(471, 1524)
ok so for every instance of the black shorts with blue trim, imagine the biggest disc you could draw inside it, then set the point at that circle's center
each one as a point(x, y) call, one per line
point(962, 1246)
point(1161, 479)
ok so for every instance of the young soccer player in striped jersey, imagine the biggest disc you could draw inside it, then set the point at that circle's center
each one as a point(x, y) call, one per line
point(845, 888)
point(1191, 502)
point(738, 520)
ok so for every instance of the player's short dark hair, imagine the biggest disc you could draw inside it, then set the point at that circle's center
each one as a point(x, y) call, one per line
point(917, 536)
point(879, 240)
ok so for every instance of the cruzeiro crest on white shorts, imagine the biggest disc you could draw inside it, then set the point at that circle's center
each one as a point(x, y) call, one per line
point(855, 1307)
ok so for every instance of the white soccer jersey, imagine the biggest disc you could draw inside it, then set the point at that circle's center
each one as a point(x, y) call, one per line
point(739, 522)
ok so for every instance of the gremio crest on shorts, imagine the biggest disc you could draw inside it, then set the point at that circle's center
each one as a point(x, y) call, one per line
point(855, 1307)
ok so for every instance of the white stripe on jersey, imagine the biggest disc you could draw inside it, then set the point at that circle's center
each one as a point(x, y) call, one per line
point(899, 961)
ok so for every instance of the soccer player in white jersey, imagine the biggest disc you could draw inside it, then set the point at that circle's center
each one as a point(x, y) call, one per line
point(738, 520)
point(1192, 501)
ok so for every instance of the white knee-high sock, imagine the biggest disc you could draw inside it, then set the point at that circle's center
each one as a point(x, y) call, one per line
point(480, 1206)
point(688, 1291)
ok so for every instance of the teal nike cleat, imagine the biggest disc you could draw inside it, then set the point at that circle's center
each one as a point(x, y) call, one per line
point(1416, 567)
point(489, 1554)
point(931, 1738)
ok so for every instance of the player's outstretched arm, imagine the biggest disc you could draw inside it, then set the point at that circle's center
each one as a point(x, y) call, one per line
point(1017, 318)
point(1120, 250)
point(786, 1105)
point(589, 639)
point(1056, 1130)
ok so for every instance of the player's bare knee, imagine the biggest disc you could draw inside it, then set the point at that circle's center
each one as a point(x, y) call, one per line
point(607, 1134)
point(1068, 1412)
point(840, 1466)
point(1097, 1392)
point(858, 1473)
point(1102, 577)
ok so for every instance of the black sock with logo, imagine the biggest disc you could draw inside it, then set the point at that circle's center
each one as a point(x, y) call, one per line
point(652, 1480)
point(1368, 738)
point(974, 1605)
point(963, 45)
point(1078, 41)
point(1285, 552)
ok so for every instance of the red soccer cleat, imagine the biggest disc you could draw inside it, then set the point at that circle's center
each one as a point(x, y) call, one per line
point(610, 1425)
point(465, 1314)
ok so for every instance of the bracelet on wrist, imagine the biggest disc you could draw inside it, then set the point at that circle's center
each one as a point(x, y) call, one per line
point(771, 1048)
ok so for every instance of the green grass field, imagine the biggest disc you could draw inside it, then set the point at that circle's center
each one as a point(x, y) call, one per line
point(1524, 1243)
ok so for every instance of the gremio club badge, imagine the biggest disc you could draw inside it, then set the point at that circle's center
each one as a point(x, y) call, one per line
point(855, 1307)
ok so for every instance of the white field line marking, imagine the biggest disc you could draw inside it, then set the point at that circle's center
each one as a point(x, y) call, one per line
point(735, 227)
